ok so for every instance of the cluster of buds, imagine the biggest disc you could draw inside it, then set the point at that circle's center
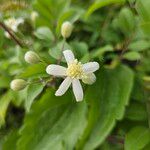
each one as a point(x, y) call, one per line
point(19, 84)
point(32, 57)
point(75, 71)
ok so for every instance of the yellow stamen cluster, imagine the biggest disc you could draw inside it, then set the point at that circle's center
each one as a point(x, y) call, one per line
point(75, 70)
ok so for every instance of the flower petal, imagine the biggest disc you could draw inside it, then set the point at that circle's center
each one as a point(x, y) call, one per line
point(77, 89)
point(69, 56)
point(56, 70)
point(89, 78)
point(90, 67)
point(63, 87)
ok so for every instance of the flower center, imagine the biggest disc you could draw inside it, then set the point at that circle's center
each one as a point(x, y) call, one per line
point(75, 70)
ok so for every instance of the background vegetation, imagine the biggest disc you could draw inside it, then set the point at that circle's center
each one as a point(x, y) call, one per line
point(115, 112)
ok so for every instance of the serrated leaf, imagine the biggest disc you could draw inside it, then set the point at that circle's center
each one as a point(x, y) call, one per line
point(137, 138)
point(107, 99)
point(32, 92)
point(132, 56)
point(53, 123)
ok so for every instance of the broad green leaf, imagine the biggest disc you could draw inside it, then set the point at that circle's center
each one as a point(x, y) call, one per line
point(99, 52)
point(4, 102)
point(36, 70)
point(136, 112)
point(125, 21)
point(53, 123)
point(139, 45)
point(10, 140)
point(71, 15)
point(145, 27)
point(4, 81)
point(32, 92)
point(57, 51)
point(101, 3)
point(44, 33)
point(132, 56)
point(142, 7)
point(107, 99)
point(80, 49)
point(137, 138)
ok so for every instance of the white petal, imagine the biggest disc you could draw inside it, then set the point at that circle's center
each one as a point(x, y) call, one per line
point(90, 67)
point(69, 56)
point(77, 89)
point(63, 87)
point(56, 70)
point(89, 79)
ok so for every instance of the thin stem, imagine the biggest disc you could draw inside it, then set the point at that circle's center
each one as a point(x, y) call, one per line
point(115, 139)
point(11, 34)
point(63, 45)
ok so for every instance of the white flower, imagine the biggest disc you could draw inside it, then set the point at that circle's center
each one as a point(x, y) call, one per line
point(13, 24)
point(75, 72)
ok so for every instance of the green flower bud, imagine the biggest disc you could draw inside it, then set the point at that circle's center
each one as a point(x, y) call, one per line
point(31, 57)
point(18, 84)
point(66, 29)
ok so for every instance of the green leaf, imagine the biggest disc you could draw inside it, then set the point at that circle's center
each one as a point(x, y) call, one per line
point(4, 81)
point(136, 112)
point(44, 33)
point(32, 92)
point(34, 71)
point(71, 15)
point(125, 21)
point(4, 102)
point(99, 52)
point(53, 123)
point(137, 138)
point(132, 56)
point(107, 99)
point(11, 140)
point(56, 52)
point(80, 49)
point(101, 3)
point(139, 45)
point(142, 7)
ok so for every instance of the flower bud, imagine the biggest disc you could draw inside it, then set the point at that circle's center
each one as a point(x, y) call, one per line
point(66, 29)
point(31, 57)
point(34, 15)
point(18, 84)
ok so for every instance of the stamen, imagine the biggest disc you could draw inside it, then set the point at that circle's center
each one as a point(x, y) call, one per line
point(75, 70)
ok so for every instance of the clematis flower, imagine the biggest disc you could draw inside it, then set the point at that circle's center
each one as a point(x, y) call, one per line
point(75, 72)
